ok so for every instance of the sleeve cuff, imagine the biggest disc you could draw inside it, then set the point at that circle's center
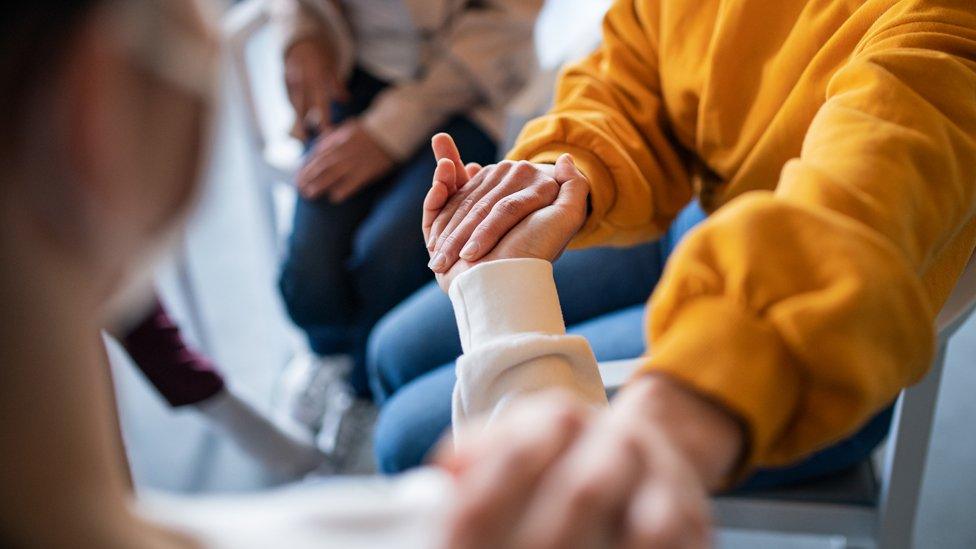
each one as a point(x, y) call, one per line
point(738, 361)
point(506, 297)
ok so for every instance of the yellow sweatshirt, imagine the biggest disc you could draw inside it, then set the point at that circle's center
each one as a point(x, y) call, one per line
point(833, 142)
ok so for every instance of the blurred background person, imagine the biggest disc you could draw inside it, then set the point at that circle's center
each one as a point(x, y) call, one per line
point(371, 81)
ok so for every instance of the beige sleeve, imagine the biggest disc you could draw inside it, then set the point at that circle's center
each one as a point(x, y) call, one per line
point(483, 58)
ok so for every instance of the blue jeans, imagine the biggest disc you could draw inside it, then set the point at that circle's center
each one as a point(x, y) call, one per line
point(603, 293)
point(347, 264)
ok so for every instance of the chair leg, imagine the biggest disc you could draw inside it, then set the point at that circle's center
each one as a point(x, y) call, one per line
point(905, 458)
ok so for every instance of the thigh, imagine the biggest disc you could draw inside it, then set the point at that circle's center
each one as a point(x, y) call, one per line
point(319, 243)
point(615, 336)
point(414, 338)
point(598, 281)
point(412, 422)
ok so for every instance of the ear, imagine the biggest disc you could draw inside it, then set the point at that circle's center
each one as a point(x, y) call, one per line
point(91, 135)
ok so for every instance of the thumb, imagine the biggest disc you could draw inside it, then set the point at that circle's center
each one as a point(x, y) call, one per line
point(444, 147)
point(573, 185)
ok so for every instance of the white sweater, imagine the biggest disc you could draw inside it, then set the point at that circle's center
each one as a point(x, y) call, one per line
point(514, 342)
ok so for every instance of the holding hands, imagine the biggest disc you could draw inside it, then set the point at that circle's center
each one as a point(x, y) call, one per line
point(502, 211)
point(554, 473)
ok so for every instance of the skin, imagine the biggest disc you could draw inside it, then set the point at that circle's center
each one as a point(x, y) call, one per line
point(346, 158)
point(111, 189)
point(551, 472)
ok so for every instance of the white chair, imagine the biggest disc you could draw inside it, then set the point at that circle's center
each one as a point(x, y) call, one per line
point(256, 74)
point(857, 508)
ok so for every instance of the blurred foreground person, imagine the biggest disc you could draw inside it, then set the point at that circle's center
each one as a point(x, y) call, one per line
point(371, 81)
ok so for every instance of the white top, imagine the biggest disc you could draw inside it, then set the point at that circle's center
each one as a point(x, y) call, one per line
point(514, 342)
point(388, 41)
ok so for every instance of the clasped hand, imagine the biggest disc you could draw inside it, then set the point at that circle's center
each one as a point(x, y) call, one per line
point(502, 211)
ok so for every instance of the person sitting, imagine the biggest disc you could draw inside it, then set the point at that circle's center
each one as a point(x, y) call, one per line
point(835, 169)
point(371, 81)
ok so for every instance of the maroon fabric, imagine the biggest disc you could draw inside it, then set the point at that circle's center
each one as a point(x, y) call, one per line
point(180, 374)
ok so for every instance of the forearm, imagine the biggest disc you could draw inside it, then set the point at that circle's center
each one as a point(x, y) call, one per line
point(514, 339)
point(709, 437)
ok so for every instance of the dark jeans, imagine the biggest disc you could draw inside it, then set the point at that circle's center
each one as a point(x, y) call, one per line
point(602, 293)
point(348, 264)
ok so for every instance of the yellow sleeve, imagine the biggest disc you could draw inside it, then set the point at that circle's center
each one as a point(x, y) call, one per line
point(803, 310)
point(609, 115)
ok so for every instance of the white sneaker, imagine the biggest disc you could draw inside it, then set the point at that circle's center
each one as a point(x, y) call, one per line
point(313, 391)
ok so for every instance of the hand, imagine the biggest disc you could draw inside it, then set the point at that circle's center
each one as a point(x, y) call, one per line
point(554, 473)
point(342, 163)
point(557, 209)
point(478, 214)
point(313, 84)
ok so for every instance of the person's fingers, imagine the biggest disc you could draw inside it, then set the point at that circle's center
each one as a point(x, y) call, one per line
point(444, 147)
point(573, 184)
point(494, 489)
point(662, 515)
point(506, 214)
point(581, 503)
point(320, 160)
point(458, 199)
point(470, 198)
point(670, 506)
point(318, 115)
point(337, 89)
point(472, 169)
point(347, 186)
point(437, 196)
point(540, 192)
point(332, 175)
point(296, 96)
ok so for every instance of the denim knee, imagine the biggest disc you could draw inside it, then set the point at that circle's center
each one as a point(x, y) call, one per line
point(394, 355)
point(413, 420)
point(310, 300)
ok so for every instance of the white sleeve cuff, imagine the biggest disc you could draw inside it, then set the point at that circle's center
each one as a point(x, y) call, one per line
point(505, 297)
point(515, 341)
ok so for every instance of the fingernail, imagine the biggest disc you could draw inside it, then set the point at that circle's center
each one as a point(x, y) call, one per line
point(469, 250)
point(430, 243)
point(437, 262)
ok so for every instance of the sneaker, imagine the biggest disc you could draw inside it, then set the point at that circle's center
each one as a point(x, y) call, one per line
point(313, 391)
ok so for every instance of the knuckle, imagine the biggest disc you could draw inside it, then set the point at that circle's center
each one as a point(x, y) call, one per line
point(548, 187)
point(466, 205)
point(586, 492)
point(523, 167)
point(481, 208)
point(449, 243)
point(509, 207)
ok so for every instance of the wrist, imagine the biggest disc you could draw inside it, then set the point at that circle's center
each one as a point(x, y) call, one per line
point(708, 436)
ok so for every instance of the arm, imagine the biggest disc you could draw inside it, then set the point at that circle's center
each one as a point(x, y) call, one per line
point(610, 116)
point(514, 340)
point(814, 293)
point(483, 58)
